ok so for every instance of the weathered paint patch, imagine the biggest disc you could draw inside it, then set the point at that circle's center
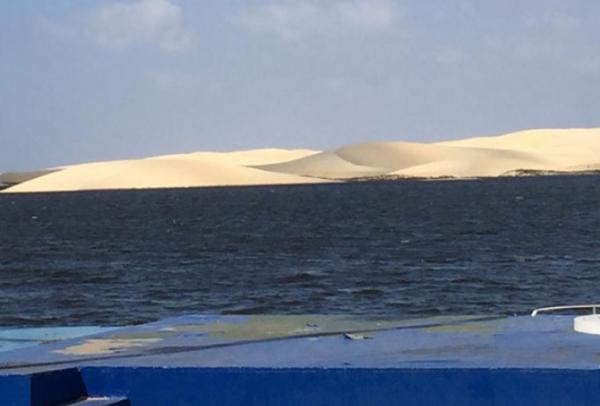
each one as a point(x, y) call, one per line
point(470, 328)
point(105, 346)
point(14, 338)
point(142, 335)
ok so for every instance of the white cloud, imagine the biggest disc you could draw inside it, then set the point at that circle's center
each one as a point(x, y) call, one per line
point(553, 21)
point(289, 21)
point(150, 22)
point(292, 20)
point(588, 64)
point(367, 14)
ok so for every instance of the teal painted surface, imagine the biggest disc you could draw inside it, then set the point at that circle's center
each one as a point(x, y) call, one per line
point(15, 338)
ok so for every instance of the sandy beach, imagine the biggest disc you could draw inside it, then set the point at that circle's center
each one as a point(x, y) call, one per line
point(532, 151)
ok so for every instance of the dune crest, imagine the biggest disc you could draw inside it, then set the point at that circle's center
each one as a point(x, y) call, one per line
point(263, 156)
point(521, 153)
point(565, 149)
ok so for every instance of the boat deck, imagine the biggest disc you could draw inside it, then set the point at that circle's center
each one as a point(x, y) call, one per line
point(265, 360)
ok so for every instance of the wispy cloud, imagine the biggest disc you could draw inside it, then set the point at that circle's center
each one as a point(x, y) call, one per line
point(157, 23)
point(553, 20)
point(373, 15)
point(294, 20)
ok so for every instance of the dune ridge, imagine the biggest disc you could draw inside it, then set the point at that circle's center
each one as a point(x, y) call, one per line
point(519, 153)
point(250, 157)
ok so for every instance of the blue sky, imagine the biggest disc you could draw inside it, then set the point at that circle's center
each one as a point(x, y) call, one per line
point(85, 80)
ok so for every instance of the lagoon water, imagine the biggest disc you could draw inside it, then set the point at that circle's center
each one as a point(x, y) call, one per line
point(399, 249)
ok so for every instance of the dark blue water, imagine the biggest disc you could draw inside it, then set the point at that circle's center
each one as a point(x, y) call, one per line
point(402, 249)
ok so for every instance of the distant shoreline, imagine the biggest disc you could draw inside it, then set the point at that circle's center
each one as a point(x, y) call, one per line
point(550, 152)
point(523, 173)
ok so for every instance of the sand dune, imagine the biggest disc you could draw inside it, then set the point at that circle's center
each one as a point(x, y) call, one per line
point(552, 140)
point(363, 160)
point(410, 160)
point(11, 178)
point(565, 149)
point(526, 152)
point(245, 158)
point(326, 165)
point(163, 173)
point(476, 162)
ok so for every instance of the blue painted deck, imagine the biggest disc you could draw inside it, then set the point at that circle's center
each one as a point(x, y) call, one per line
point(321, 360)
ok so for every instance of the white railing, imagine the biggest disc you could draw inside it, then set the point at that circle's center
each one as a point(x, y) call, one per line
point(568, 307)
